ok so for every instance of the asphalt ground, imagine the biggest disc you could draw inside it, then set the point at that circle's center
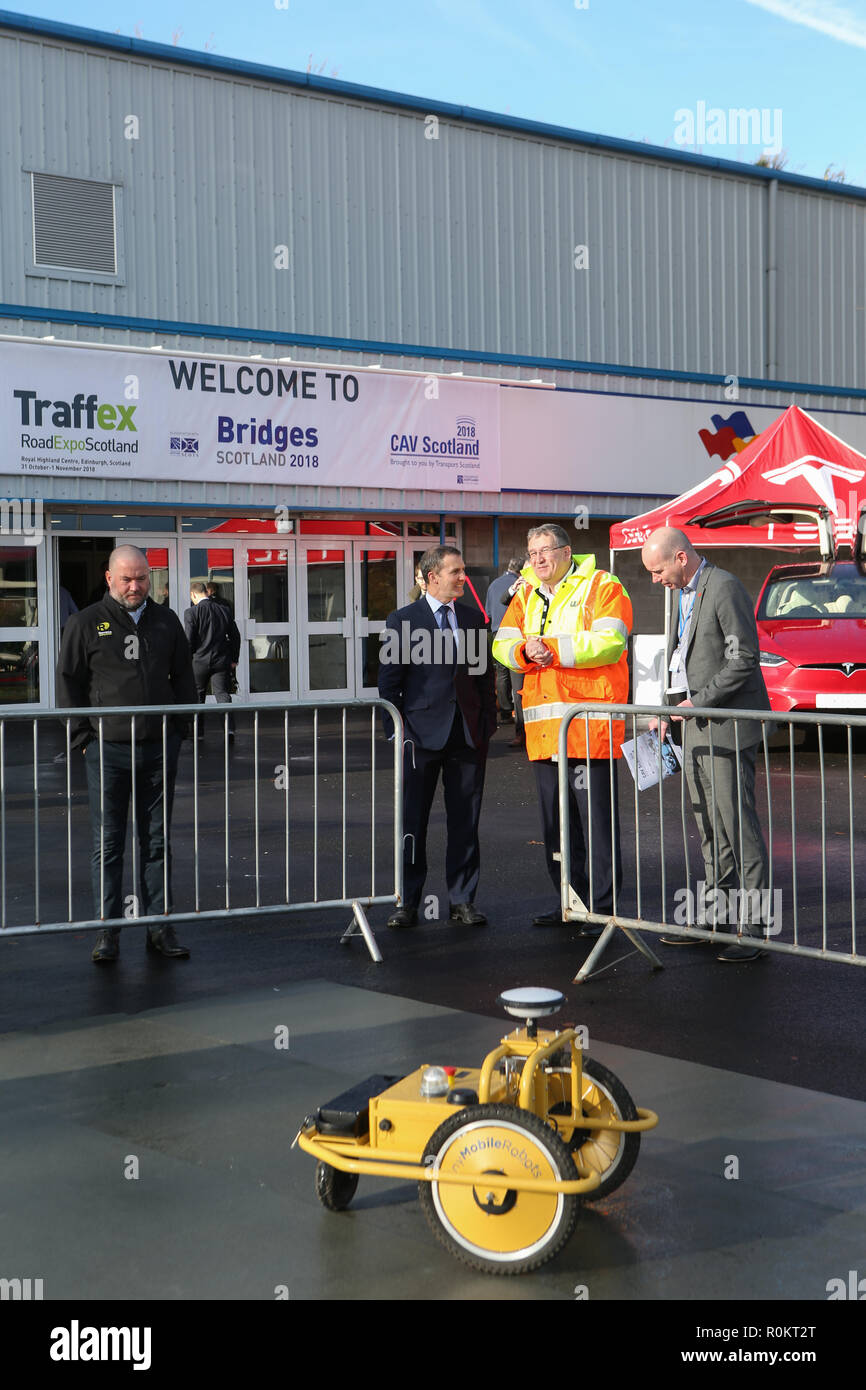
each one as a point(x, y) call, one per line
point(798, 1021)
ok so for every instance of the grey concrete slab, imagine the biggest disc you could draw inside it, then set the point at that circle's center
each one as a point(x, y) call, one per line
point(206, 1103)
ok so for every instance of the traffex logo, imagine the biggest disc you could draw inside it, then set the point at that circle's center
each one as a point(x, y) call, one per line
point(77, 414)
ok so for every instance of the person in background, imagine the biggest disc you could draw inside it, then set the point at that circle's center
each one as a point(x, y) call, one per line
point(419, 588)
point(215, 643)
point(508, 683)
point(68, 606)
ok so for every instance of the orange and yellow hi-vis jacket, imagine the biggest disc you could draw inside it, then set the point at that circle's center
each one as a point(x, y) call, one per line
point(586, 624)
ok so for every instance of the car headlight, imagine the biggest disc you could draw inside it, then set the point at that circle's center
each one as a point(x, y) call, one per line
point(772, 659)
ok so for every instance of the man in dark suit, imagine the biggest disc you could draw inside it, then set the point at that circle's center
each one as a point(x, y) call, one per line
point(434, 668)
point(713, 660)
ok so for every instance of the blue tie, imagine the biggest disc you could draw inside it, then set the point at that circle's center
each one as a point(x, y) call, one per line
point(442, 617)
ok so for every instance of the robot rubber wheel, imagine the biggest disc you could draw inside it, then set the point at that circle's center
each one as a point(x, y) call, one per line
point(610, 1153)
point(334, 1189)
point(502, 1231)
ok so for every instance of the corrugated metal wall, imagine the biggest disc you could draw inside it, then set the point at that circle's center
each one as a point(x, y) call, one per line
point(466, 241)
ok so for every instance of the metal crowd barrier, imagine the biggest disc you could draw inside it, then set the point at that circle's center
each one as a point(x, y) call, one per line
point(282, 817)
point(806, 805)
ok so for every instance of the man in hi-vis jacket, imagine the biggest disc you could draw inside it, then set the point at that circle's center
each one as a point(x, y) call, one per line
point(567, 629)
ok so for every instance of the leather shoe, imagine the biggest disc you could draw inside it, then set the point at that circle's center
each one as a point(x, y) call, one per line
point(549, 919)
point(519, 741)
point(165, 943)
point(403, 917)
point(467, 913)
point(684, 940)
point(742, 953)
point(107, 946)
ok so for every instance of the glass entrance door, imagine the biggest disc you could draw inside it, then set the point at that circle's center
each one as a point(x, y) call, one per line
point(376, 570)
point(23, 623)
point(271, 620)
point(161, 552)
point(324, 597)
point(309, 611)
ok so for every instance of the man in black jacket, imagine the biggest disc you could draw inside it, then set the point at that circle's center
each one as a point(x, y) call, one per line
point(215, 643)
point(128, 650)
point(434, 668)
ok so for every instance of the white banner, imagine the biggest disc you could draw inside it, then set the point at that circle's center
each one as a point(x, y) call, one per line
point(95, 413)
point(580, 441)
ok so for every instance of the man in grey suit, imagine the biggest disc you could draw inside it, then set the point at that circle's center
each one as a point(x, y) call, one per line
point(713, 660)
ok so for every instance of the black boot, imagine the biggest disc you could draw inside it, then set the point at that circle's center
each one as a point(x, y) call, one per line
point(107, 945)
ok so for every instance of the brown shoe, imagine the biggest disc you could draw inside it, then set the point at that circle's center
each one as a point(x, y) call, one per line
point(519, 740)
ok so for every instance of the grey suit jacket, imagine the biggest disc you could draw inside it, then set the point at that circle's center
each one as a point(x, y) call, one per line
point(722, 663)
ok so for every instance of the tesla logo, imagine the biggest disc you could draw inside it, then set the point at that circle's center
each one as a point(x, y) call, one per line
point(818, 473)
point(848, 667)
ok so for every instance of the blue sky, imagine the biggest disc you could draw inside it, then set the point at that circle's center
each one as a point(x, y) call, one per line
point(668, 72)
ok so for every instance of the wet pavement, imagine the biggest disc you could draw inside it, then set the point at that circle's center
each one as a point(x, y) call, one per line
point(180, 1118)
point(174, 1063)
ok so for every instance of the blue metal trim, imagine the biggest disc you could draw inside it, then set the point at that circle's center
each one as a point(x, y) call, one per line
point(509, 359)
point(98, 38)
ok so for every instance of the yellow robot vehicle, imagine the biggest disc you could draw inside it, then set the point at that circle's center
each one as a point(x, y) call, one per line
point(503, 1153)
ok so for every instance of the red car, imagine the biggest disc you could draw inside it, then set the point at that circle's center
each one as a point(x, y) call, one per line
point(812, 630)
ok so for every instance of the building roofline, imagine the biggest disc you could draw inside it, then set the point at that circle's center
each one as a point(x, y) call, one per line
point(210, 62)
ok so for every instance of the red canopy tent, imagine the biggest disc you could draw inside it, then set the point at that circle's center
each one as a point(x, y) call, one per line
point(794, 466)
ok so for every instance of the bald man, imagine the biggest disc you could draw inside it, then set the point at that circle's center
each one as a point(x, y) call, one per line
point(127, 650)
point(713, 660)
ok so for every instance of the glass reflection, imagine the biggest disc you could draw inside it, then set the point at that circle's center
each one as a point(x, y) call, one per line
point(327, 662)
point(19, 672)
point(268, 586)
point(18, 605)
point(378, 583)
point(269, 664)
point(214, 567)
point(326, 585)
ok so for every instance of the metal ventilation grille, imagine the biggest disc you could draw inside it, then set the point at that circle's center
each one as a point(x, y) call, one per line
point(73, 224)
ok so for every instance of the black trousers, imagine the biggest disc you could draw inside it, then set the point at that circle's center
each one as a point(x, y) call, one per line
point(584, 792)
point(219, 684)
point(154, 795)
point(462, 769)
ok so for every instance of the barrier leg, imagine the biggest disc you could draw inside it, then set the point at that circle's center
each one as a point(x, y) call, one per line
point(598, 950)
point(360, 926)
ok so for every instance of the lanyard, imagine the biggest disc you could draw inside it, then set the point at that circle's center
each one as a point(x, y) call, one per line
point(685, 616)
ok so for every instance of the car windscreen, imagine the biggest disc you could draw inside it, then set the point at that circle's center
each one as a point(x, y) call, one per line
point(824, 596)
